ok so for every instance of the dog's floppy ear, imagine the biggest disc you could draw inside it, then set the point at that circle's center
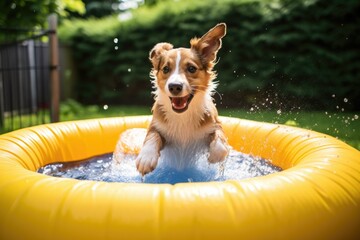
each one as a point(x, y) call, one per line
point(155, 53)
point(208, 45)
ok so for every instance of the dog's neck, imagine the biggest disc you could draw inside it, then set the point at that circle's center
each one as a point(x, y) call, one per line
point(189, 125)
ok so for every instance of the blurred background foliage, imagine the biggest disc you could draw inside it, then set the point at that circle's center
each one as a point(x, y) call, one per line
point(19, 19)
point(32, 13)
point(277, 53)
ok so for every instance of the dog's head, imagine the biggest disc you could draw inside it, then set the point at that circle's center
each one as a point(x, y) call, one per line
point(181, 73)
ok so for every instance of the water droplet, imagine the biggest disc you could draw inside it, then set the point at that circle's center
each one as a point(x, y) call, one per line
point(116, 47)
point(345, 100)
point(251, 109)
point(333, 95)
point(278, 111)
point(116, 40)
point(105, 107)
point(356, 117)
point(129, 69)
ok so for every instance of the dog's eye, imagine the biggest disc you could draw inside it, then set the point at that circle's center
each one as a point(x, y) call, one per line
point(191, 69)
point(166, 69)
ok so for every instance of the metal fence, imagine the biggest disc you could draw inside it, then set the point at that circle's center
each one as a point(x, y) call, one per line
point(25, 81)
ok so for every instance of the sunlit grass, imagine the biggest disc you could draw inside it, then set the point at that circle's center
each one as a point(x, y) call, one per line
point(13, 122)
point(345, 126)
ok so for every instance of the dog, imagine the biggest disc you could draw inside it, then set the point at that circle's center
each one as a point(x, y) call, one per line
point(184, 114)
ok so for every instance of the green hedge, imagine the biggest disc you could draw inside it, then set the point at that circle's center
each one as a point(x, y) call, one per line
point(277, 54)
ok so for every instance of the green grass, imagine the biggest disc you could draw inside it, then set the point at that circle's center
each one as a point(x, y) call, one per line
point(111, 111)
point(345, 126)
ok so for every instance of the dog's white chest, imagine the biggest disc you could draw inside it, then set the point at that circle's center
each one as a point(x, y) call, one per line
point(181, 157)
point(185, 141)
point(184, 129)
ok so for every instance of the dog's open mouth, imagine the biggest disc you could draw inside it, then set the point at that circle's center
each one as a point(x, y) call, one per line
point(180, 104)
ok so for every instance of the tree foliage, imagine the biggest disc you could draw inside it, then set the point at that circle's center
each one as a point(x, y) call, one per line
point(20, 17)
point(277, 53)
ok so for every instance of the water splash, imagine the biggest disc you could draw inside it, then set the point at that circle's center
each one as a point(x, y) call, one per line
point(237, 166)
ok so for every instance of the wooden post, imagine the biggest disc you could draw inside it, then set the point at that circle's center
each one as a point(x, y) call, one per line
point(2, 105)
point(54, 69)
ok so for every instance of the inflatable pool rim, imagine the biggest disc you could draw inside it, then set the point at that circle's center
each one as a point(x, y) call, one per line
point(317, 196)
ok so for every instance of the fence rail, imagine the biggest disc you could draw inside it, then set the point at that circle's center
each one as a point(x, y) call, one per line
point(25, 81)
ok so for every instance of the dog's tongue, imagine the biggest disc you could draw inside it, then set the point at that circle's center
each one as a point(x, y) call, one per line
point(179, 102)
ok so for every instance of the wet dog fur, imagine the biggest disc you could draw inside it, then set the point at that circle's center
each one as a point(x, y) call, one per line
point(184, 114)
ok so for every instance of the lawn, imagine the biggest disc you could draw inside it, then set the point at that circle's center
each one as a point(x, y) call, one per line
point(345, 126)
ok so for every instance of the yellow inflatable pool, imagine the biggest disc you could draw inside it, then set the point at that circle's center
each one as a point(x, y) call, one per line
point(317, 196)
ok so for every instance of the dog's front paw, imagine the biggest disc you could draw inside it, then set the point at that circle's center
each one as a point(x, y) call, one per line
point(218, 151)
point(146, 161)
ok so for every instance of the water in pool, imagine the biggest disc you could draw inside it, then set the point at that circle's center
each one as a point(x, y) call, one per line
point(102, 168)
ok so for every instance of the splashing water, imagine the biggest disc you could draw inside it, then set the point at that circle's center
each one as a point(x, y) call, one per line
point(102, 168)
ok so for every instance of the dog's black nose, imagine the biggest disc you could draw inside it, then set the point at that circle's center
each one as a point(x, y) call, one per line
point(175, 88)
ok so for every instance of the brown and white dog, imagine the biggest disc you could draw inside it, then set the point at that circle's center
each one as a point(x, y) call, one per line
point(185, 119)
